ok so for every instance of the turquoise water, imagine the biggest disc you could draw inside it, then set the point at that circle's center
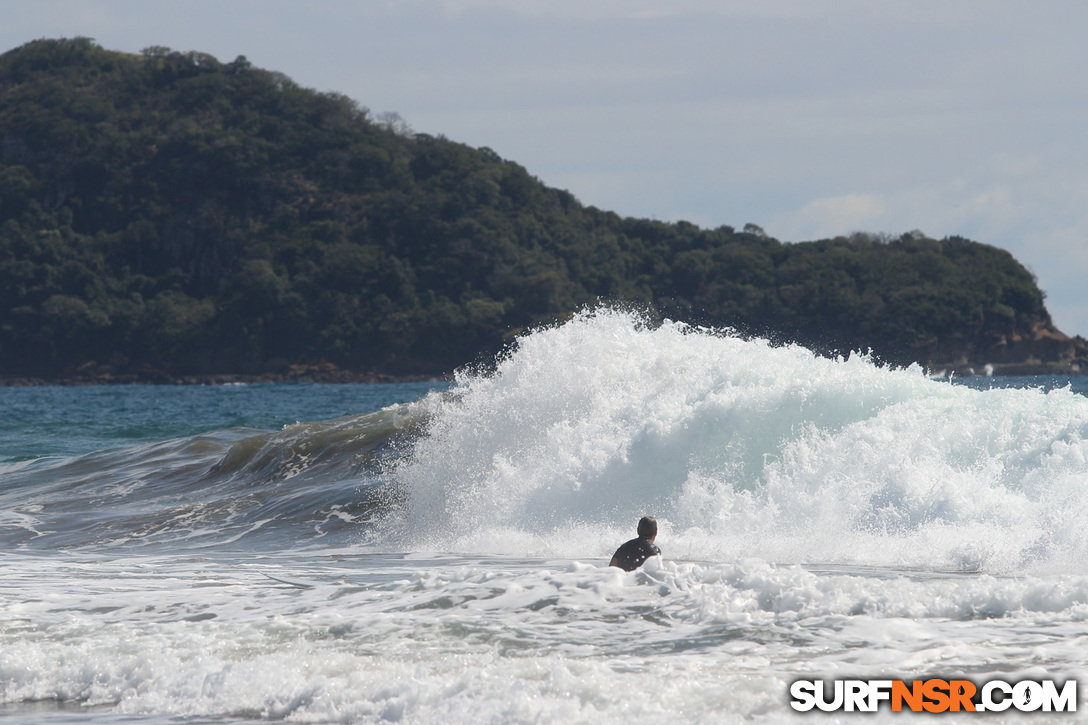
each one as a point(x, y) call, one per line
point(72, 420)
point(69, 421)
point(1076, 383)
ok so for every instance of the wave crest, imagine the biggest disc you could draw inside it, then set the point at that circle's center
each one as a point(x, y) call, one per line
point(741, 447)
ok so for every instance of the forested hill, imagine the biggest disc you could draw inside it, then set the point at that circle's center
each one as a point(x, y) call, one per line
point(170, 214)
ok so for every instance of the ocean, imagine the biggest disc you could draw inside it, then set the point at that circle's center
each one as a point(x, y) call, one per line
point(437, 552)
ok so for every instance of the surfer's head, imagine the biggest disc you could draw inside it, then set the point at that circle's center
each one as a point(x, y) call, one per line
point(647, 527)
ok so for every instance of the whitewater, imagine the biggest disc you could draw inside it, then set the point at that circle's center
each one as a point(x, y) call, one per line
point(427, 553)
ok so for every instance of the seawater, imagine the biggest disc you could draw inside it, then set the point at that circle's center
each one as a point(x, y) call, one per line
point(437, 552)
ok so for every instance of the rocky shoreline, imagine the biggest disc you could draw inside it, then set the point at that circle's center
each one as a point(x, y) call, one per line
point(328, 373)
point(319, 373)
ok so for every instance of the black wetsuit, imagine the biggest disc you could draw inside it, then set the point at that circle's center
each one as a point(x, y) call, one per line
point(634, 553)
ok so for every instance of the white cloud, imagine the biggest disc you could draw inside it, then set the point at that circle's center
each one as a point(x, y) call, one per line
point(839, 214)
point(596, 9)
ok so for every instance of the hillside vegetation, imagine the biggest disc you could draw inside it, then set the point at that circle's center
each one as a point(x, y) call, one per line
point(171, 213)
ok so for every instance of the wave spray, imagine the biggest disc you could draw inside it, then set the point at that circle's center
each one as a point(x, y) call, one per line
point(744, 448)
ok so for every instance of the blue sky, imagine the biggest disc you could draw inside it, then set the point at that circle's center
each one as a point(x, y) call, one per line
point(810, 118)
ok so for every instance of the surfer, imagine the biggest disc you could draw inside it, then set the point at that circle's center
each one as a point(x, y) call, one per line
point(631, 555)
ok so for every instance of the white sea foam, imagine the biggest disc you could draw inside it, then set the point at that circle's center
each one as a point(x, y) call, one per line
point(493, 640)
point(742, 448)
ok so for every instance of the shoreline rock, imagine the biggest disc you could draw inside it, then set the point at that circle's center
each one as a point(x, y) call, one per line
point(327, 373)
point(323, 373)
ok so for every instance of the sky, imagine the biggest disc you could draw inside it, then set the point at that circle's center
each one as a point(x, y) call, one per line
point(810, 118)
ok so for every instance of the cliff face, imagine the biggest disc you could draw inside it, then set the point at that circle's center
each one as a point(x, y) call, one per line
point(1042, 349)
point(167, 215)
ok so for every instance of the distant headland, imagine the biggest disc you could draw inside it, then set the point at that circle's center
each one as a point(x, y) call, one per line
point(168, 217)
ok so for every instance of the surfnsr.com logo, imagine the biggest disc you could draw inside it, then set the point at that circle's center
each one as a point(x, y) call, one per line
point(934, 695)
